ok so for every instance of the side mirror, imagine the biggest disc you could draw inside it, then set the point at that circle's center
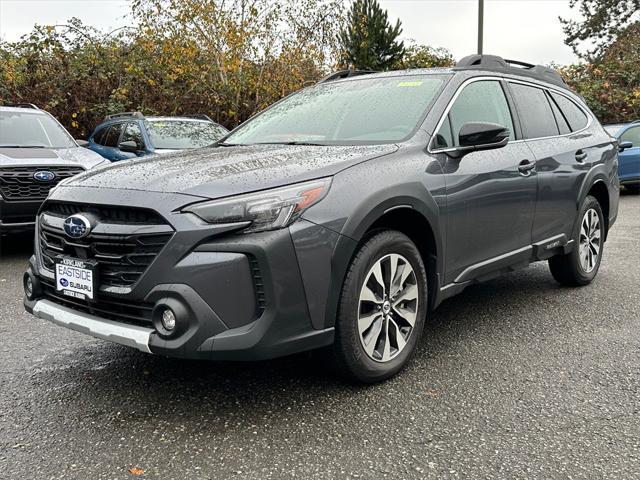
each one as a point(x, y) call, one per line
point(129, 146)
point(476, 136)
point(82, 143)
point(624, 145)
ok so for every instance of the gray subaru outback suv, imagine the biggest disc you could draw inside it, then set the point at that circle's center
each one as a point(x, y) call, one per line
point(339, 217)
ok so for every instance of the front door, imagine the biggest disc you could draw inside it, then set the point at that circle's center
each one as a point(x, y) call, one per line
point(490, 194)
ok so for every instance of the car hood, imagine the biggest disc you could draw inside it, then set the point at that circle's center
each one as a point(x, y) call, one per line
point(223, 171)
point(49, 157)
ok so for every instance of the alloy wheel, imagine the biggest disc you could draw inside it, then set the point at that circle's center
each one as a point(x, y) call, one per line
point(388, 307)
point(590, 240)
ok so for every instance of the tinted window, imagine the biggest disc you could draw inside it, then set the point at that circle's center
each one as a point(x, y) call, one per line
point(132, 133)
point(379, 109)
point(111, 139)
point(535, 111)
point(560, 120)
point(632, 135)
point(100, 135)
point(482, 101)
point(32, 129)
point(574, 115)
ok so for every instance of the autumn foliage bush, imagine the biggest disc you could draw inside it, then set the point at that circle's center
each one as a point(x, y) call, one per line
point(229, 59)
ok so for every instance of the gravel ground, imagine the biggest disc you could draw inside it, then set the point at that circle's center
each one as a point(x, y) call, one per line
point(515, 378)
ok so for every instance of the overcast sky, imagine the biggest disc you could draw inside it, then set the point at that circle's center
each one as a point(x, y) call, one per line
point(526, 30)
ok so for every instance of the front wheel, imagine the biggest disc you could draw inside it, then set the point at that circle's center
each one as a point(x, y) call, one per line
point(382, 308)
point(580, 266)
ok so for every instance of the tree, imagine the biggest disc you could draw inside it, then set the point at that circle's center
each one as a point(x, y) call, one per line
point(611, 87)
point(601, 23)
point(368, 41)
point(424, 56)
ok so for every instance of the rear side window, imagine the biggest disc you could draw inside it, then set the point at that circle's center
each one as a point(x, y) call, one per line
point(481, 101)
point(632, 135)
point(535, 111)
point(111, 139)
point(100, 135)
point(563, 126)
point(575, 116)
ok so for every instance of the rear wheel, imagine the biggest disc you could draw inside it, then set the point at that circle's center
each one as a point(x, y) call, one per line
point(580, 266)
point(382, 308)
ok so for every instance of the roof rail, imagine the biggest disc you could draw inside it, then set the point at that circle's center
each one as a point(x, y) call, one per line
point(21, 105)
point(344, 74)
point(515, 67)
point(124, 115)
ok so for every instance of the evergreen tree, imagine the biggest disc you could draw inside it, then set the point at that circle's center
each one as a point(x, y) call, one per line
point(368, 41)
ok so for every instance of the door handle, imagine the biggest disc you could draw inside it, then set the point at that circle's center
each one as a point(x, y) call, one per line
point(525, 167)
point(581, 156)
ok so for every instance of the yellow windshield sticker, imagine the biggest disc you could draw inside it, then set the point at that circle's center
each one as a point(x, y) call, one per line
point(416, 83)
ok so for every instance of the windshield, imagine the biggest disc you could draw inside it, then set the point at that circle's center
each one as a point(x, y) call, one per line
point(375, 110)
point(32, 130)
point(182, 134)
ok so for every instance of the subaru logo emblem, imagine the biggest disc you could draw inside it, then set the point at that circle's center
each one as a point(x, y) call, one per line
point(44, 175)
point(77, 226)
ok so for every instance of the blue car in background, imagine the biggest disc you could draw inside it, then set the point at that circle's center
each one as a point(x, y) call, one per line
point(130, 135)
point(628, 136)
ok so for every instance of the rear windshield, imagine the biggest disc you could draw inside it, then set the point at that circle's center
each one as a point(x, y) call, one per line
point(32, 130)
point(182, 134)
point(374, 110)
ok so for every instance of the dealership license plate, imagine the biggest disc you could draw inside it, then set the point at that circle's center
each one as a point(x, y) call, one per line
point(76, 278)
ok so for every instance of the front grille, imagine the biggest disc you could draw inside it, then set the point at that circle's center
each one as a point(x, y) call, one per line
point(124, 242)
point(105, 307)
point(17, 183)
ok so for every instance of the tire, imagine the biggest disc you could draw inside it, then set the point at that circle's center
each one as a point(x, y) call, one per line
point(633, 189)
point(580, 266)
point(375, 337)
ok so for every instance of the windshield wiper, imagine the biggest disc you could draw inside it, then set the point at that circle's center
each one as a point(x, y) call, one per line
point(294, 142)
point(23, 146)
point(225, 144)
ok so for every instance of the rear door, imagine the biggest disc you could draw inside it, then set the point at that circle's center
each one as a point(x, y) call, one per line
point(629, 160)
point(490, 194)
point(554, 128)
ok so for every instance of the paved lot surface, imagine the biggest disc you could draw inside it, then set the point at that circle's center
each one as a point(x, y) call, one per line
point(516, 378)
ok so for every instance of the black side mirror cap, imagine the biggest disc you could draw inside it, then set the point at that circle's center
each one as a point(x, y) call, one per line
point(624, 145)
point(129, 146)
point(475, 136)
point(82, 143)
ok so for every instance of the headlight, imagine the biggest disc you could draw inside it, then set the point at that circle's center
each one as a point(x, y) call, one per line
point(266, 210)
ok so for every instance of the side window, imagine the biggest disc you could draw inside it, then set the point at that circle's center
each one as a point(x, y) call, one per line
point(563, 126)
point(444, 138)
point(632, 135)
point(99, 136)
point(574, 114)
point(535, 112)
point(481, 101)
point(111, 139)
point(132, 133)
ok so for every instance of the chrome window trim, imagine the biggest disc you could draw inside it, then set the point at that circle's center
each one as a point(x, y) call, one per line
point(512, 80)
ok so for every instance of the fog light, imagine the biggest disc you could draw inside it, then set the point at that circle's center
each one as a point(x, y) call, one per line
point(168, 319)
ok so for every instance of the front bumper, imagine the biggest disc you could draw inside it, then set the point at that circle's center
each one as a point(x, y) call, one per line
point(239, 297)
